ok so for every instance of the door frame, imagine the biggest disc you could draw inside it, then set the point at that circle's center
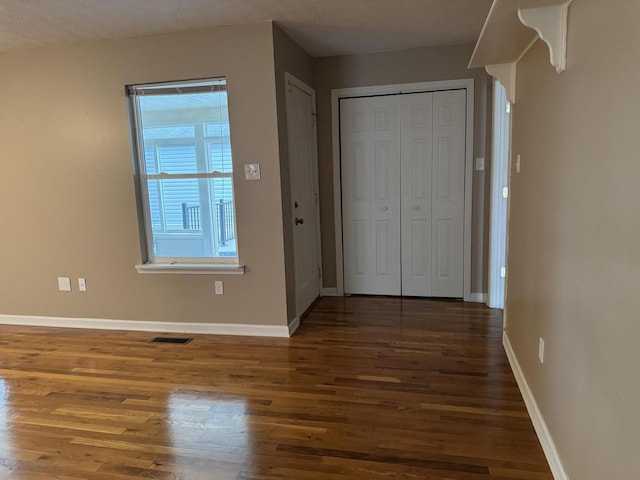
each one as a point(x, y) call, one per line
point(293, 82)
point(337, 94)
point(501, 159)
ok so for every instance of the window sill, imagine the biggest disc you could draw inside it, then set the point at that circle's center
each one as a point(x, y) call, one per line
point(191, 268)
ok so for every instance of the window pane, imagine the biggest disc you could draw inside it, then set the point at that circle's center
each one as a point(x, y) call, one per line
point(154, 195)
point(172, 194)
point(177, 159)
point(224, 213)
point(220, 155)
point(178, 131)
point(186, 134)
point(218, 129)
point(193, 228)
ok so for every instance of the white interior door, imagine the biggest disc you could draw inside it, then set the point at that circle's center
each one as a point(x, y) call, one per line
point(370, 149)
point(403, 193)
point(301, 132)
point(416, 171)
point(447, 193)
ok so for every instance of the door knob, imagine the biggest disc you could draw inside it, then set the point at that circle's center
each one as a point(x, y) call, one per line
point(385, 208)
point(299, 221)
point(416, 207)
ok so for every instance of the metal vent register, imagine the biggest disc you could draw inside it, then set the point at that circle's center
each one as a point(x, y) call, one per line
point(180, 340)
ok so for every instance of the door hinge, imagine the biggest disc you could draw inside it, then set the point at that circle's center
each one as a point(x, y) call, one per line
point(505, 192)
point(313, 118)
point(503, 272)
point(319, 272)
point(508, 107)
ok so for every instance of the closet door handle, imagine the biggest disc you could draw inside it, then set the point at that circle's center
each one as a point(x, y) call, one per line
point(385, 208)
point(416, 207)
point(299, 221)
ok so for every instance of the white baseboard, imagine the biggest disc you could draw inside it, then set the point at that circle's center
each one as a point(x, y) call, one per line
point(144, 326)
point(330, 292)
point(546, 440)
point(478, 298)
point(293, 325)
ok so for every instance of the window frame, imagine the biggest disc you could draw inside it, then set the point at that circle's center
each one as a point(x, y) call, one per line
point(153, 263)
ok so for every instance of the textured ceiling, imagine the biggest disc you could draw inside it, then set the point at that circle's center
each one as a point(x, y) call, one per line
point(322, 27)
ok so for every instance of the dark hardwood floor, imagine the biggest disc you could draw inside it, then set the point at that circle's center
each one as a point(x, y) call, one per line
point(368, 388)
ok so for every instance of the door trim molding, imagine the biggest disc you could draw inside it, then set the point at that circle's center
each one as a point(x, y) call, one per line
point(337, 94)
point(500, 178)
point(292, 81)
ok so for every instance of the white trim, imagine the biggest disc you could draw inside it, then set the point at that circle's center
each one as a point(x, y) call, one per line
point(501, 154)
point(336, 95)
point(478, 298)
point(191, 268)
point(546, 440)
point(468, 188)
point(337, 189)
point(293, 326)
point(330, 292)
point(145, 326)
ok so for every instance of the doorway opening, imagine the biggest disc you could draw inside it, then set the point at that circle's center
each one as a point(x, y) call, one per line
point(462, 234)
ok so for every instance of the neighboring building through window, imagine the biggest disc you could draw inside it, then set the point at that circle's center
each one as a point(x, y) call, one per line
point(185, 169)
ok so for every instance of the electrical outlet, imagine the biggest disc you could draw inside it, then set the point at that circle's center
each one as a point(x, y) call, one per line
point(541, 350)
point(82, 284)
point(64, 284)
point(219, 287)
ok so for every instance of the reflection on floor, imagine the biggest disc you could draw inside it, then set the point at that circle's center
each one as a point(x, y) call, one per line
point(368, 388)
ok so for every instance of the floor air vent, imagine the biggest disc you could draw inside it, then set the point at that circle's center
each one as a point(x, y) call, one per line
point(180, 340)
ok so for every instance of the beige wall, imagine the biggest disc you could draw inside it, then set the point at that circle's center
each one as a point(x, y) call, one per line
point(404, 66)
point(66, 190)
point(574, 240)
point(289, 57)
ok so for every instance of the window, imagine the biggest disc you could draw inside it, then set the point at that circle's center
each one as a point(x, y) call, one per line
point(184, 166)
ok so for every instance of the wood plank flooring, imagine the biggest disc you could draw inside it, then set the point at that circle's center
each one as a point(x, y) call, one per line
point(368, 388)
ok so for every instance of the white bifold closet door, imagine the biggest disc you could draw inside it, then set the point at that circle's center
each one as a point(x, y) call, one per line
point(403, 160)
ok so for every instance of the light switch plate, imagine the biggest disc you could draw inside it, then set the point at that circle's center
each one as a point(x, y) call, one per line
point(64, 284)
point(252, 171)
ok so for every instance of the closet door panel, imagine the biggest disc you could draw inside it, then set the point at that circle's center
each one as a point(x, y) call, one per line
point(447, 193)
point(370, 156)
point(416, 167)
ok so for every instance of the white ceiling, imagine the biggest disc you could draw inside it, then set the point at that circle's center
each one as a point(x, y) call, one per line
point(322, 27)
